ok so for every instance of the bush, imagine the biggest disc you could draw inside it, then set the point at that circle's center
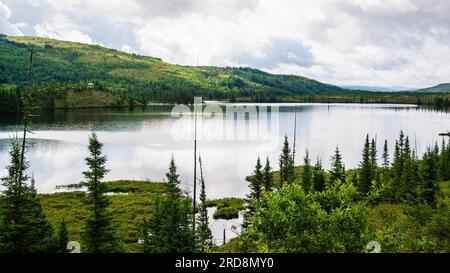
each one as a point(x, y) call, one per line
point(439, 227)
point(289, 220)
point(227, 208)
point(226, 213)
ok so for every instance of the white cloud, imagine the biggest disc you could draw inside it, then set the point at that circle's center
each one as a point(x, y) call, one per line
point(126, 48)
point(384, 6)
point(61, 27)
point(376, 42)
point(6, 26)
point(5, 12)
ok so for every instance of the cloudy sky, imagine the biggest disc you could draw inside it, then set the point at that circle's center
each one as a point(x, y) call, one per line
point(363, 42)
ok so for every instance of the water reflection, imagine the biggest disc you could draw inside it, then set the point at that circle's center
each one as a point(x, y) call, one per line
point(140, 142)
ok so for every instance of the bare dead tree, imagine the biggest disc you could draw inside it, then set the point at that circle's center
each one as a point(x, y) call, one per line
point(26, 104)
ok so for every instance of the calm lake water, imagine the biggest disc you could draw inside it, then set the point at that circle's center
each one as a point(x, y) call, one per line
point(139, 143)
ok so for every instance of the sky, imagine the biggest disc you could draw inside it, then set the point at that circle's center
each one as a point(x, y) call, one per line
point(345, 42)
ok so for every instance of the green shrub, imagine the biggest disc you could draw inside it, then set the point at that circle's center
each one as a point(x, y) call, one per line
point(226, 213)
point(289, 220)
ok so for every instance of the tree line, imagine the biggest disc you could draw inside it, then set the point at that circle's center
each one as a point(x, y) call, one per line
point(295, 209)
point(309, 209)
point(59, 66)
point(25, 229)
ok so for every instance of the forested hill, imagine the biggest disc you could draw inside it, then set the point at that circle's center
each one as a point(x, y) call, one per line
point(139, 77)
point(444, 88)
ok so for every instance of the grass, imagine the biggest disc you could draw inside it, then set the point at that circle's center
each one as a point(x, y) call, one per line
point(129, 209)
point(226, 208)
point(226, 202)
point(226, 213)
point(131, 203)
point(233, 246)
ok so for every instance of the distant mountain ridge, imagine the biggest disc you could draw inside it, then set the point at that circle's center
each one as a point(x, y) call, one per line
point(441, 88)
point(377, 88)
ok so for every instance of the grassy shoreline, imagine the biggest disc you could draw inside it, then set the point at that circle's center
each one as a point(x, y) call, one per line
point(132, 201)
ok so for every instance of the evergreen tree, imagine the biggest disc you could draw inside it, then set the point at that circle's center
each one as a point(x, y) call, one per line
point(385, 172)
point(43, 238)
point(99, 234)
point(397, 168)
point(268, 176)
point(373, 160)
point(63, 237)
point(365, 169)
point(154, 235)
point(385, 155)
point(307, 173)
point(286, 164)
point(418, 186)
point(23, 226)
point(430, 162)
point(319, 177)
point(337, 172)
point(203, 232)
point(254, 196)
point(444, 162)
point(256, 182)
point(407, 187)
point(169, 229)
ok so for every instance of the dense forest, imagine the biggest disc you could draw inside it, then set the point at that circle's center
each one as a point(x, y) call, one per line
point(62, 72)
point(397, 199)
point(137, 77)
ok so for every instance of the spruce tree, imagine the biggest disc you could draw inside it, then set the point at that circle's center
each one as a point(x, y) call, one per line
point(397, 168)
point(337, 172)
point(365, 169)
point(255, 190)
point(169, 228)
point(267, 176)
point(407, 186)
point(63, 237)
point(385, 176)
point(154, 234)
point(14, 200)
point(307, 173)
point(430, 164)
point(43, 239)
point(319, 182)
point(385, 155)
point(203, 232)
point(444, 162)
point(99, 234)
point(373, 160)
point(286, 163)
point(23, 226)
point(256, 182)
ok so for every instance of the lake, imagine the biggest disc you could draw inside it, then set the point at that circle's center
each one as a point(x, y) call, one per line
point(140, 142)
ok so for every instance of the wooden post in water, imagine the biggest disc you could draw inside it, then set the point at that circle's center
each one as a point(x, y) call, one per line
point(224, 237)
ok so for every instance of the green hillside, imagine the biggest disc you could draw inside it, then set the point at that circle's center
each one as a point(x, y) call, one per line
point(441, 88)
point(140, 77)
point(62, 71)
